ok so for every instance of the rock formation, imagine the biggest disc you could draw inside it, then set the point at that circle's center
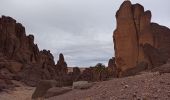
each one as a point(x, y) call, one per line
point(76, 74)
point(96, 73)
point(112, 68)
point(61, 65)
point(138, 40)
point(21, 58)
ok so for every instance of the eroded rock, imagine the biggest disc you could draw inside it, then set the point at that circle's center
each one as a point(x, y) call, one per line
point(134, 33)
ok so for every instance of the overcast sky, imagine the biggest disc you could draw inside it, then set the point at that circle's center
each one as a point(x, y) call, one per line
point(80, 29)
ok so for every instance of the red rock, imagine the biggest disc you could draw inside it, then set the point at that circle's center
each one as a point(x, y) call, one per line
point(76, 74)
point(134, 30)
point(61, 65)
point(112, 67)
point(96, 73)
point(21, 56)
point(125, 38)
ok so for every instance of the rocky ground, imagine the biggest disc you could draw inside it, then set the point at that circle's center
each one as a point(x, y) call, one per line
point(147, 86)
point(22, 92)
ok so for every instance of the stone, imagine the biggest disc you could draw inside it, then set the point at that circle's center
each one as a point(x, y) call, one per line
point(5, 83)
point(87, 74)
point(137, 39)
point(14, 67)
point(76, 74)
point(61, 65)
point(111, 67)
point(55, 91)
point(136, 70)
point(82, 85)
point(96, 73)
point(42, 88)
point(154, 56)
point(162, 69)
point(38, 72)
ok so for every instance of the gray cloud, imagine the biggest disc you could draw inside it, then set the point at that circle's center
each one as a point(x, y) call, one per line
point(80, 29)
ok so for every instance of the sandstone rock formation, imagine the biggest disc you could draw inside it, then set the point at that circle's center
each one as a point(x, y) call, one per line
point(138, 40)
point(76, 74)
point(22, 58)
point(42, 88)
point(112, 68)
point(61, 65)
point(96, 73)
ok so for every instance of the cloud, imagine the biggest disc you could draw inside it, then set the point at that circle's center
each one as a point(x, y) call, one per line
point(80, 29)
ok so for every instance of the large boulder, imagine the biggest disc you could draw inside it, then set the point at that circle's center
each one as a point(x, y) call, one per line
point(135, 37)
point(42, 88)
point(82, 85)
point(55, 91)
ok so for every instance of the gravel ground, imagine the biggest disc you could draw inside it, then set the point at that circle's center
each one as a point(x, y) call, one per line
point(19, 93)
point(147, 86)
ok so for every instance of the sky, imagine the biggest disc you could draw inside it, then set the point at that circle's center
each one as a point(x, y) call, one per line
point(80, 29)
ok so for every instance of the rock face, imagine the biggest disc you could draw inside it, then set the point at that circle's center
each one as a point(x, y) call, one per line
point(22, 58)
point(61, 65)
point(14, 42)
point(135, 30)
point(112, 68)
point(42, 88)
point(96, 73)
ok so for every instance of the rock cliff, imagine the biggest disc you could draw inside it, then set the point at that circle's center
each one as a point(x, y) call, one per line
point(22, 57)
point(138, 40)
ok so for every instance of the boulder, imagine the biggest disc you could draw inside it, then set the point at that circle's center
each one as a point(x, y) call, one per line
point(82, 85)
point(55, 91)
point(42, 88)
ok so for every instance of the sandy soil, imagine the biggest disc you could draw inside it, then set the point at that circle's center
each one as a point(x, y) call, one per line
point(22, 92)
point(148, 86)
